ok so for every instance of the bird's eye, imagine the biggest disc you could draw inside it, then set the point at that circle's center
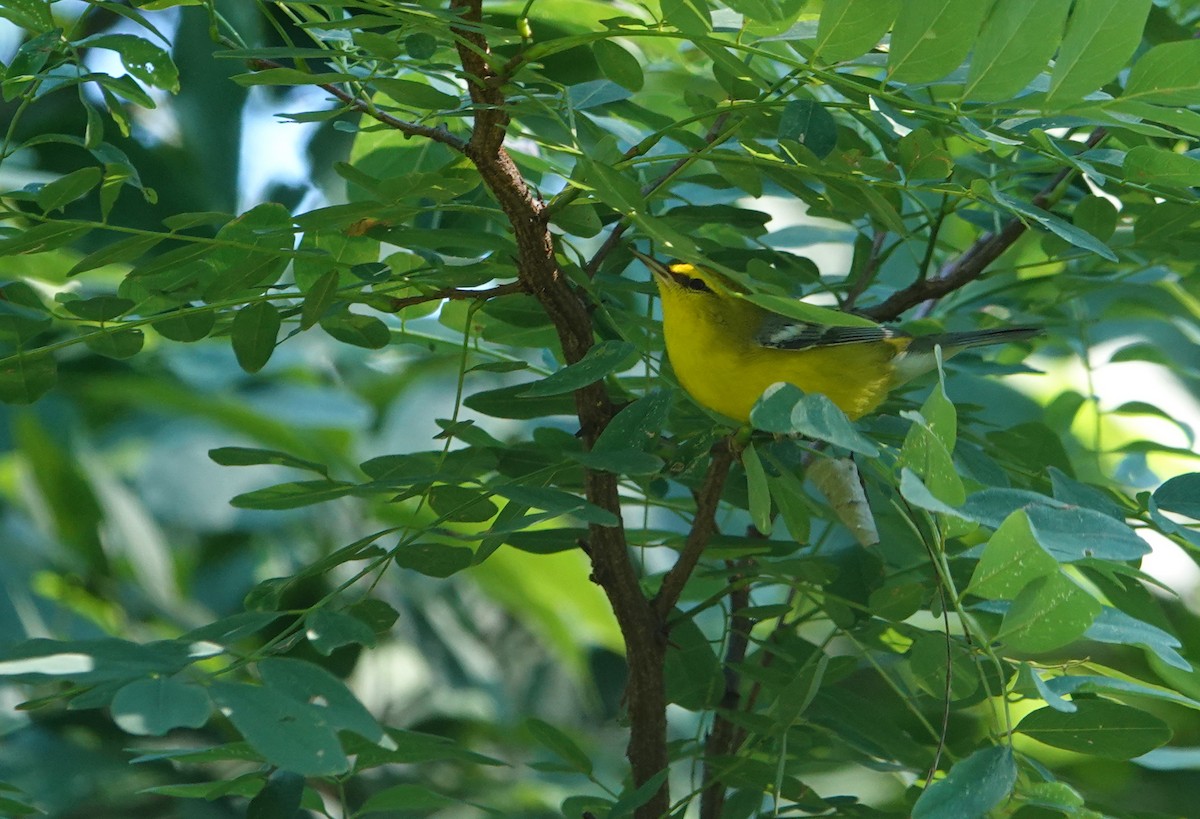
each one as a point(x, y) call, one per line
point(692, 283)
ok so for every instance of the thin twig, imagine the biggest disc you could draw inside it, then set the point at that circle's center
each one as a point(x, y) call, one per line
point(614, 238)
point(704, 526)
point(867, 272)
point(974, 260)
point(363, 106)
point(457, 294)
point(724, 737)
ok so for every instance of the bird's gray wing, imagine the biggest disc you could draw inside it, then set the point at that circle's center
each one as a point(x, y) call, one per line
point(786, 333)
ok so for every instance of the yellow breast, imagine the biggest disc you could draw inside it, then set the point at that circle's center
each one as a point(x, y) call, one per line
point(717, 361)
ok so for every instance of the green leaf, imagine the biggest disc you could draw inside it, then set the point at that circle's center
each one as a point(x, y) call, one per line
point(556, 502)
point(357, 329)
point(328, 251)
point(808, 123)
point(1048, 613)
point(288, 733)
point(91, 661)
point(420, 45)
point(329, 630)
point(579, 219)
point(973, 787)
point(785, 410)
point(932, 37)
point(22, 315)
point(595, 93)
point(1012, 559)
point(307, 682)
point(1168, 74)
point(188, 325)
point(141, 58)
point(1155, 166)
point(511, 402)
point(229, 630)
point(559, 744)
point(1098, 728)
point(66, 189)
point(619, 65)
point(613, 187)
point(788, 493)
point(461, 503)
point(123, 250)
point(99, 308)
point(405, 799)
point(119, 344)
point(319, 298)
point(1017, 40)
point(291, 76)
point(689, 16)
point(376, 614)
point(1056, 225)
point(250, 253)
point(636, 425)
point(601, 360)
point(1097, 216)
point(1029, 676)
point(1073, 533)
point(11, 807)
point(293, 495)
point(923, 158)
point(31, 14)
point(802, 310)
point(761, 11)
point(758, 490)
point(24, 378)
point(29, 61)
point(40, 238)
point(914, 490)
point(546, 541)
point(1101, 37)
point(1118, 628)
point(619, 461)
point(433, 559)
point(928, 662)
point(255, 329)
point(850, 28)
point(633, 798)
point(416, 94)
point(1180, 494)
point(280, 797)
point(248, 456)
point(927, 450)
point(1070, 684)
point(152, 707)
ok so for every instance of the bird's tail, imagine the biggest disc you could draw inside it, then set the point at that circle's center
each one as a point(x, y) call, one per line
point(953, 342)
point(918, 357)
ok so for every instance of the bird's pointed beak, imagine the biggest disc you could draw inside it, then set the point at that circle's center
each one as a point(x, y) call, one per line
point(656, 267)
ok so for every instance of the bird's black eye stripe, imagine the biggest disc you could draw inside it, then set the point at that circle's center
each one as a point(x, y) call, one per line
point(691, 283)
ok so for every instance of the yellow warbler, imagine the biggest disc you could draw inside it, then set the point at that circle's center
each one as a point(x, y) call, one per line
point(726, 350)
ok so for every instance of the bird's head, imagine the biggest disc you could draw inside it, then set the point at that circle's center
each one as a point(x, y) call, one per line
point(683, 278)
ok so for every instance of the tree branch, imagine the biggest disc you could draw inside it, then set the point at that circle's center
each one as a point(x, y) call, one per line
point(704, 525)
point(457, 294)
point(974, 260)
point(867, 272)
point(405, 127)
point(537, 268)
point(724, 737)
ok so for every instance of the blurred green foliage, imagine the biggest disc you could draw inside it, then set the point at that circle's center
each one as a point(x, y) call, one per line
point(293, 500)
